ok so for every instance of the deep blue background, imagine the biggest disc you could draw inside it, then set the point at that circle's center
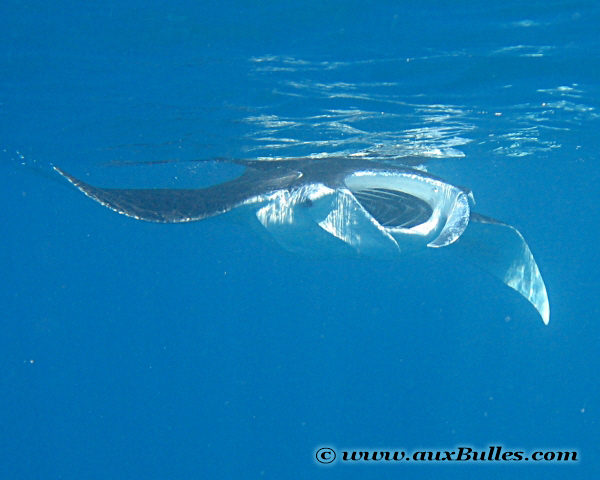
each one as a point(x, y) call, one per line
point(134, 350)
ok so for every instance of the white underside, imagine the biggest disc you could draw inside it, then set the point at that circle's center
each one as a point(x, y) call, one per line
point(302, 219)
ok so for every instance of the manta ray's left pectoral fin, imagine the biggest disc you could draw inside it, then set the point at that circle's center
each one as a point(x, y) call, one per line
point(502, 251)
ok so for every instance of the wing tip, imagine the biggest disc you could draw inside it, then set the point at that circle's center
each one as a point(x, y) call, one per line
point(544, 312)
point(68, 176)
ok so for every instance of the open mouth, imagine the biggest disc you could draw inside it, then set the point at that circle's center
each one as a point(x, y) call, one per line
point(392, 208)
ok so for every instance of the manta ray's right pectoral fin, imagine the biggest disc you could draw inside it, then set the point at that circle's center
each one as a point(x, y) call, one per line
point(502, 251)
point(168, 205)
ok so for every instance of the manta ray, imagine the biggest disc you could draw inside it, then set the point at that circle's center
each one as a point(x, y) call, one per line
point(347, 206)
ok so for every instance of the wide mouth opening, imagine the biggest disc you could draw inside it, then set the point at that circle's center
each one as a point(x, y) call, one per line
point(393, 208)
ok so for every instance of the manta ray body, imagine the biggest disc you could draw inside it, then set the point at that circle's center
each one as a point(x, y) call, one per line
point(346, 206)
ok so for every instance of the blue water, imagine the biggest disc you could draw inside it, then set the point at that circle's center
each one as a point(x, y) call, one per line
point(135, 350)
